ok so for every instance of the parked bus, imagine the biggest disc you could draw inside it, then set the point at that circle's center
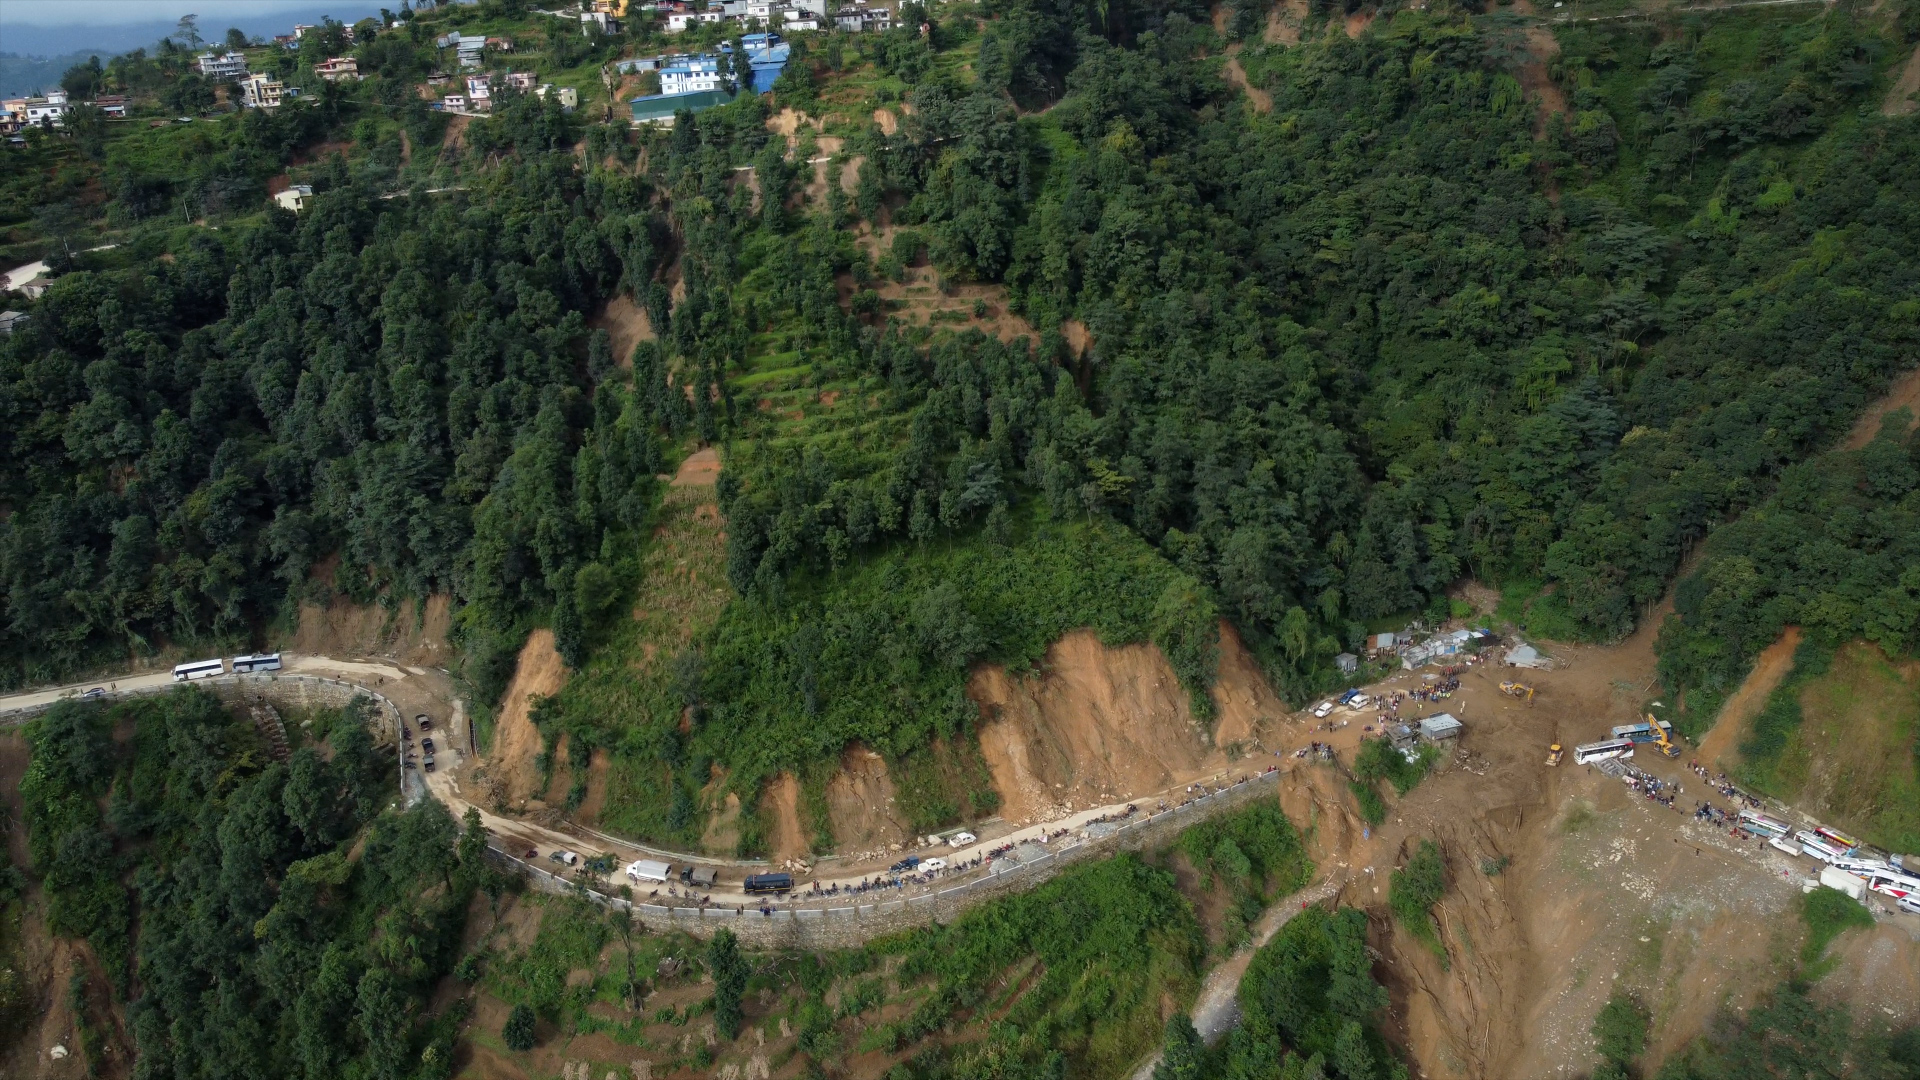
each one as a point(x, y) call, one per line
point(1761, 823)
point(262, 662)
point(199, 669)
point(1640, 732)
point(758, 884)
point(1853, 864)
point(1837, 838)
point(1601, 751)
point(1891, 882)
point(1818, 847)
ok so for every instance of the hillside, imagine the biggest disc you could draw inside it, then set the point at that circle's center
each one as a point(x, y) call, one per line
point(1013, 414)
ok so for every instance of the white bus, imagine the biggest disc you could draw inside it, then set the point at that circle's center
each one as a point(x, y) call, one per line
point(1818, 847)
point(1601, 751)
point(261, 662)
point(1754, 821)
point(1891, 882)
point(199, 669)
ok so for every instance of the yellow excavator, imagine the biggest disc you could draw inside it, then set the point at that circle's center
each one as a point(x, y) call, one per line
point(1554, 753)
point(1660, 740)
point(1517, 689)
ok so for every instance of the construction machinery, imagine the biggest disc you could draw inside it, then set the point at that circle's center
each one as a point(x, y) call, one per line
point(1554, 754)
point(1661, 741)
point(1517, 689)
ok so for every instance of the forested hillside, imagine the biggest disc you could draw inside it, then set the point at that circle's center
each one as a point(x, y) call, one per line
point(1336, 348)
point(261, 918)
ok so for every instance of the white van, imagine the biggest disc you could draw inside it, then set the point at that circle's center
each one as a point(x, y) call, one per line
point(651, 870)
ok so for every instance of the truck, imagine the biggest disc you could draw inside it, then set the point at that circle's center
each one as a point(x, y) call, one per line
point(763, 884)
point(699, 876)
point(649, 870)
point(1835, 878)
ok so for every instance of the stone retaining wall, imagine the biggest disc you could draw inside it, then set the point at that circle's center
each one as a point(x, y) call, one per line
point(847, 921)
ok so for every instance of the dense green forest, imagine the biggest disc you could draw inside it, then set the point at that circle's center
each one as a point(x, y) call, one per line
point(1340, 353)
point(260, 918)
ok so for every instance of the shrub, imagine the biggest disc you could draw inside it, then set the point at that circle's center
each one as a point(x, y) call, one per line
point(1828, 913)
point(517, 1032)
point(1620, 1031)
point(1415, 888)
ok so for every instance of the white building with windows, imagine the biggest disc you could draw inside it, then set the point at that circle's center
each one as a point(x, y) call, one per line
point(691, 75)
point(261, 92)
point(231, 65)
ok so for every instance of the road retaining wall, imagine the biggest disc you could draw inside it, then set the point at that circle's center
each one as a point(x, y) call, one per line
point(845, 921)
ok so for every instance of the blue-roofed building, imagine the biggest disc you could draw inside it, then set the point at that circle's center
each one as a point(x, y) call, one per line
point(767, 63)
point(753, 43)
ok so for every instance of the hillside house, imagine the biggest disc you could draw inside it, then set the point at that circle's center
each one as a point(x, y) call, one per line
point(261, 92)
point(223, 66)
point(294, 199)
point(567, 96)
point(338, 68)
point(693, 75)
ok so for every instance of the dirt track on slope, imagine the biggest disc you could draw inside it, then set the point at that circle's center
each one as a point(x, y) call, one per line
point(1903, 394)
point(1718, 749)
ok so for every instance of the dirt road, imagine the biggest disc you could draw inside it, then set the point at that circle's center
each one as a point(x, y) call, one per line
point(1217, 1010)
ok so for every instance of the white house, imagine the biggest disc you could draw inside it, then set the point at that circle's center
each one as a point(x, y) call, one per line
point(50, 110)
point(567, 96)
point(232, 65)
point(261, 92)
point(294, 198)
point(691, 75)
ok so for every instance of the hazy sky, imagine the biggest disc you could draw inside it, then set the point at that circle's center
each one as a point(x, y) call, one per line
point(61, 27)
point(116, 12)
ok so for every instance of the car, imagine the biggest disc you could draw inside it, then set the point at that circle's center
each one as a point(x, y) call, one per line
point(934, 864)
point(1323, 710)
point(427, 745)
point(961, 839)
point(905, 864)
point(429, 763)
point(96, 692)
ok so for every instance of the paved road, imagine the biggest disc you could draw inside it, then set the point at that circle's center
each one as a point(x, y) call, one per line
point(413, 690)
point(1217, 1010)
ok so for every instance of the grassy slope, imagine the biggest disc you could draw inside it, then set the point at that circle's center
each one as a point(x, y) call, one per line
point(1853, 758)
